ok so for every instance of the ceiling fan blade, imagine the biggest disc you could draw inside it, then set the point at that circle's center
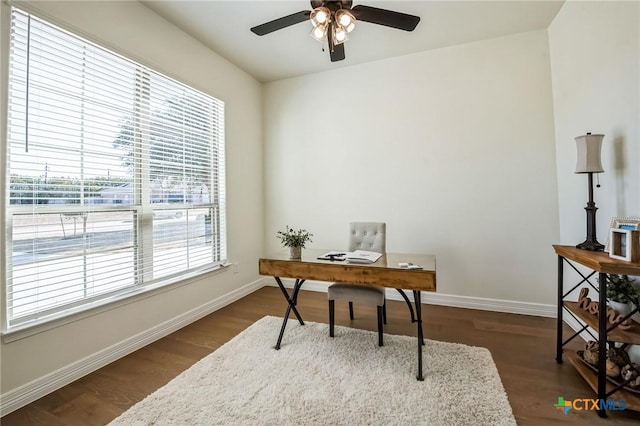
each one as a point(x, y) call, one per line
point(337, 54)
point(389, 18)
point(280, 23)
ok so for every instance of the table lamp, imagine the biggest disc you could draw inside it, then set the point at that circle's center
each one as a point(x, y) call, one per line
point(589, 147)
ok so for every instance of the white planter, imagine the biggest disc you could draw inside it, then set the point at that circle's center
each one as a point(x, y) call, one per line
point(295, 252)
point(634, 353)
point(622, 308)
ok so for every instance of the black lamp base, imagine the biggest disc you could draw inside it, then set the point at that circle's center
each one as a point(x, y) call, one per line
point(591, 246)
point(591, 243)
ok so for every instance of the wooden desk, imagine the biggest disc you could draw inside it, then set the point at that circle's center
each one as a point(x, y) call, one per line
point(385, 272)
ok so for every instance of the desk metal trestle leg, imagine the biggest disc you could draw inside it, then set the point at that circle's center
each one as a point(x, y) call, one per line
point(406, 299)
point(293, 301)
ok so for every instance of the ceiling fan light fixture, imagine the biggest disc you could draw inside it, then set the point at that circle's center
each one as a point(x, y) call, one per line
point(333, 20)
point(319, 16)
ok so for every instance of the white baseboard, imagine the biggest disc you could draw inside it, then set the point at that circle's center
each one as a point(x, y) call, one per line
point(26, 394)
point(496, 305)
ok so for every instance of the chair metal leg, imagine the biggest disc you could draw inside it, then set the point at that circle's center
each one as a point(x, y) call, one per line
point(332, 306)
point(380, 310)
point(351, 310)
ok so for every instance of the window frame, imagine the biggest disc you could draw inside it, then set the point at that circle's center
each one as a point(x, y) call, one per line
point(142, 211)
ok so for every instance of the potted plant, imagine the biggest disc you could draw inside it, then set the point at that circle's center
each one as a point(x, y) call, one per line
point(622, 293)
point(295, 240)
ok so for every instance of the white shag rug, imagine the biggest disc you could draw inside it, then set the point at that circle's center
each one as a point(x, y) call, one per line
point(318, 380)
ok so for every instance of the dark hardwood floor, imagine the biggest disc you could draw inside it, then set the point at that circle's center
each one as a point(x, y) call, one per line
point(523, 348)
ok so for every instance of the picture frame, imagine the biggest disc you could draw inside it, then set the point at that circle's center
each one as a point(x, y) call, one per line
point(629, 223)
point(625, 244)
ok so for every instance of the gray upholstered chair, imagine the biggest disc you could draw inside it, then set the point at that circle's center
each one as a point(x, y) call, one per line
point(370, 236)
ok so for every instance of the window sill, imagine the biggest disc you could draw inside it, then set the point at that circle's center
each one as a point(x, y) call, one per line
point(27, 330)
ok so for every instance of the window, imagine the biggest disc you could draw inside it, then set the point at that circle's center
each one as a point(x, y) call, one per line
point(115, 175)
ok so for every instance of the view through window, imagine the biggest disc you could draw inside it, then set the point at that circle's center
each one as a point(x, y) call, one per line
point(115, 174)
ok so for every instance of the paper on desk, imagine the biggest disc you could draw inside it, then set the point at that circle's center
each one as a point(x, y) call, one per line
point(409, 265)
point(363, 256)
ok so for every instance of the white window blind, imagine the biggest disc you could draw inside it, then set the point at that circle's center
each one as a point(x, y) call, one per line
point(115, 173)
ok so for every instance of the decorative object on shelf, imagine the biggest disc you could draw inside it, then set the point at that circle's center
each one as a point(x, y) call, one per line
point(295, 240)
point(593, 307)
point(618, 365)
point(627, 375)
point(622, 290)
point(623, 294)
point(619, 356)
point(590, 355)
point(631, 373)
point(624, 245)
point(632, 223)
point(589, 147)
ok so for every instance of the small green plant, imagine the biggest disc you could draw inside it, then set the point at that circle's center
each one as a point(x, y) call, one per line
point(622, 289)
point(291, 238)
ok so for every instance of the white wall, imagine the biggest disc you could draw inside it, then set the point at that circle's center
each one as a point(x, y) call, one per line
point(595, 60)
point(452, 148)
point(137, 32)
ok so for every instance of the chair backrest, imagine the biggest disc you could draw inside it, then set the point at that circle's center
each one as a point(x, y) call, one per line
point(370, 236)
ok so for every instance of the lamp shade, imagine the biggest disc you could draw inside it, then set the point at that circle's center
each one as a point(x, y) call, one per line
point(589, 147)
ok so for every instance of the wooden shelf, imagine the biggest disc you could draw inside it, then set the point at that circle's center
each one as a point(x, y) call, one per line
point(631, 399)
point(598, 261)
point(632, 335)
point(601, 263)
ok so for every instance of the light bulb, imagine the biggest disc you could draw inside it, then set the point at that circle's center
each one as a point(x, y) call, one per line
point(319, 32)
point(345, 20)
point(321, 17)
point(340, 35)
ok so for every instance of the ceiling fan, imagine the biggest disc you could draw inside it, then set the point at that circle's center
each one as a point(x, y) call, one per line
point(335, 19)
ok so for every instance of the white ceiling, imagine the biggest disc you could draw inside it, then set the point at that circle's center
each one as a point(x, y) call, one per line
point(224, 27)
